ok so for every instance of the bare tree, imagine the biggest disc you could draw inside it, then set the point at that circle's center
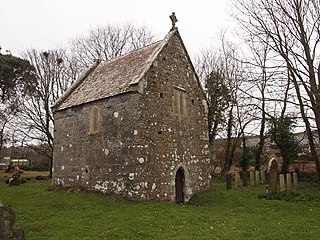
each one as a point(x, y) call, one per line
point(222, 74)
point(54, 76)
point(263, 73)
point(238, 118)
point(211, 72)
point(292, 28)
point(110, 41)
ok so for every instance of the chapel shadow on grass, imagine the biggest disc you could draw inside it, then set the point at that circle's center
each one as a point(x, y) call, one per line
point(204, 198)
point(200, 199)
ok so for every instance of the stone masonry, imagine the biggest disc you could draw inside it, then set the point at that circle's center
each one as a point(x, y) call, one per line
point(133, 142)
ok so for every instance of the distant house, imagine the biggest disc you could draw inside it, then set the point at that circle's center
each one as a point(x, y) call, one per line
point(20, 162)
point(135, 125)
point(304, 142)
point(3, 166)
point(16, 162)
point(6, 160)
point(269, 147)
point(4, 163)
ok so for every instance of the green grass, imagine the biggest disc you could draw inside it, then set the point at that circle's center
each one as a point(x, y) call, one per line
point(215, 214)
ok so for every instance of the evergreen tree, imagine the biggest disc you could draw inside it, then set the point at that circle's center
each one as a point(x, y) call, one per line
point(281, 133)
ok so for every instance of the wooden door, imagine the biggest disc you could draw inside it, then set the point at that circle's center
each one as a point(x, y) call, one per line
point(179, 183)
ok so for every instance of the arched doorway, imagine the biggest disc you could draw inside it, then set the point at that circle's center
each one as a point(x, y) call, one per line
point(180, 185)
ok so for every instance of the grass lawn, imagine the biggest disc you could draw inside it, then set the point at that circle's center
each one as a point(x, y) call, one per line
point(215, 214)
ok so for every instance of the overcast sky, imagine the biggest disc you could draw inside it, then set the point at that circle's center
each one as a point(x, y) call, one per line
point(46, 24)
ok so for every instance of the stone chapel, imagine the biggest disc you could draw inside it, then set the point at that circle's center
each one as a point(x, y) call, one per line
point(136, 126)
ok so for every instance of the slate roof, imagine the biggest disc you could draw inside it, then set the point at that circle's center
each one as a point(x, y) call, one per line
point(112, 77)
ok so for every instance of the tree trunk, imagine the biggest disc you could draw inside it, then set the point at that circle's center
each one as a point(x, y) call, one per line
point(228, 158)
point(245, 157)
point(312, 146)
point(260, 144)
point(285, 165)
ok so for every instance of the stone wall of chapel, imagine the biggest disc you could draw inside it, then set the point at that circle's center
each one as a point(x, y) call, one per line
point(102, 160)
point(176, 138)
point(139, 139)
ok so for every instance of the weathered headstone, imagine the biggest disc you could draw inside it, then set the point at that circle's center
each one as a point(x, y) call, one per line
point(295, 179)
point(15, 179)
point(237, 180)
point(244, 179)
point(229, 180)
point(282, 183)
point(7, 220)
point(257, 176)
point(289, 181)
point(272, 176)
point(251, 178)
point(263, 176)
point(14, 182)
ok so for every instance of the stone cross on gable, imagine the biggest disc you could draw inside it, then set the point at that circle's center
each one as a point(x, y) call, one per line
point(173, 19)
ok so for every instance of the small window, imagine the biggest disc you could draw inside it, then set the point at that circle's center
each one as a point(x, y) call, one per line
point(176, 102)
point(180, 103)
point(94, 119)
point(183, 103)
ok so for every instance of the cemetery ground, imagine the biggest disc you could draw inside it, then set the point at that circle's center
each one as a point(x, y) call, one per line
point(240, 213)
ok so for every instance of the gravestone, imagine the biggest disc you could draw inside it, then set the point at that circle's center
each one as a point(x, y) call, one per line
point(251, 178)
point(263, 176)
point(237, 181)
point(257, 176)
point(282, 183)
point(244, 179)
point(7, 220)
point(14, 182)
point(289, 181)
point(295, 179)
point(15, 179)
point(272, 176)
